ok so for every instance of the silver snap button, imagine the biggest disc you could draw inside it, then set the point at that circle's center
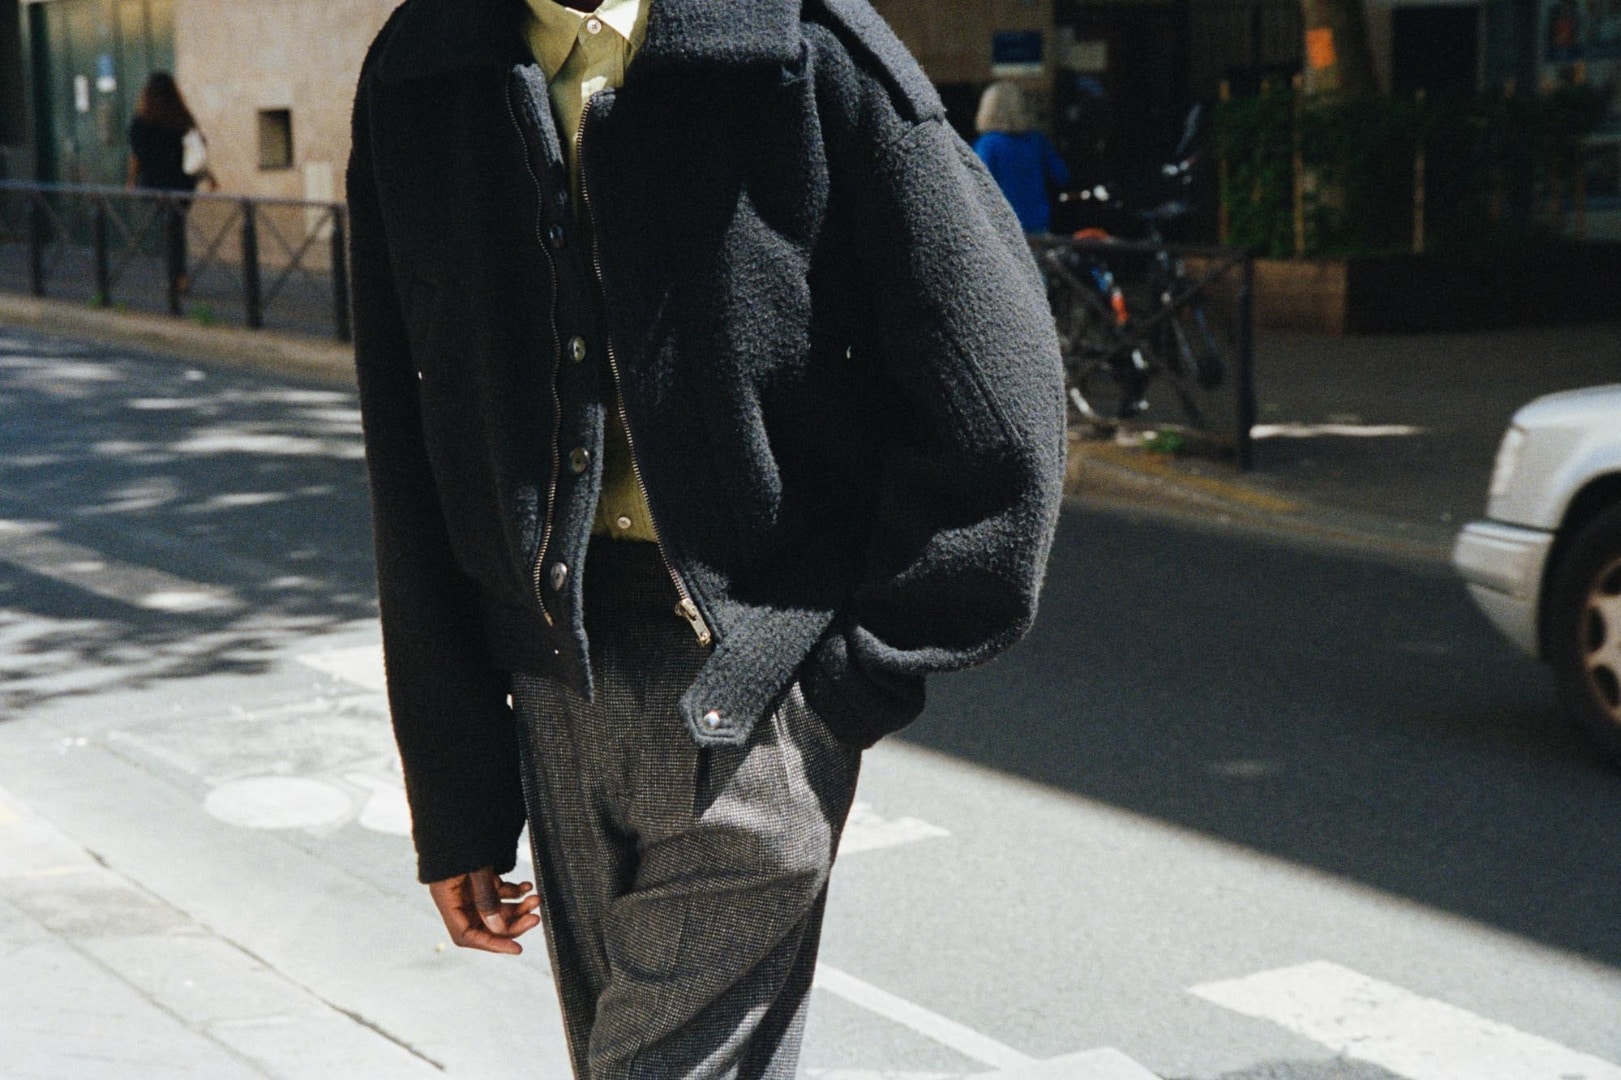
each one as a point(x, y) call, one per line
point(713, 720)
point(577, 350)
point(579, 460)
point(559, 576)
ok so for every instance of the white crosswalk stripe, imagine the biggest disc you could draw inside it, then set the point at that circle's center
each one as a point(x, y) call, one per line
point(1414, 1037)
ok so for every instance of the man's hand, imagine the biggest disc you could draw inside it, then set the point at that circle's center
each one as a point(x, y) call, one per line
point(483, 912)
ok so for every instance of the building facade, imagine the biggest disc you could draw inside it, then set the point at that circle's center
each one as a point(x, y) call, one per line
point(270, 81)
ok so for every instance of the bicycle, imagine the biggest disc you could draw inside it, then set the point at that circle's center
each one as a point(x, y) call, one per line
point(1114, 348)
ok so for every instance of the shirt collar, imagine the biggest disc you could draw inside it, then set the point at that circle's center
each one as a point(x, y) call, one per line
point(432, 38)
point(556, 27)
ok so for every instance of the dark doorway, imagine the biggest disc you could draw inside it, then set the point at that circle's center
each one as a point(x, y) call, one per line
point(14, 127)
point(1435, 49)
point(1125, 116)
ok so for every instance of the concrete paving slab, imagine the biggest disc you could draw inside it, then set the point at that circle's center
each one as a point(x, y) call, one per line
point(102, 978)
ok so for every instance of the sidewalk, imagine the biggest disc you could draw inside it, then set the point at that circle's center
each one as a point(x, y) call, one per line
point(1382, 442)
point(147, 991)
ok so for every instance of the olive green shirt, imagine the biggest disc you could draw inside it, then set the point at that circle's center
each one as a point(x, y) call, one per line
point(583, 54)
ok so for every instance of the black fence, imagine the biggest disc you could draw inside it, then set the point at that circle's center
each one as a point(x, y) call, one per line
point(260, 263)
point(1158, 340)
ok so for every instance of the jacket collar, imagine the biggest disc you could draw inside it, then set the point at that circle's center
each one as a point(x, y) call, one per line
point(436, 37)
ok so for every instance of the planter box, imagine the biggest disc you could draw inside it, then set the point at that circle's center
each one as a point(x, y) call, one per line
point(1402, 293)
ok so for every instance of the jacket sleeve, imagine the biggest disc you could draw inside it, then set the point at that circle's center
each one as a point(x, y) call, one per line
point(968, 500)
point(452, 719)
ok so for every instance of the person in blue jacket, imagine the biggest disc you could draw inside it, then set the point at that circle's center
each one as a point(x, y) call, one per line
point(1022, 160)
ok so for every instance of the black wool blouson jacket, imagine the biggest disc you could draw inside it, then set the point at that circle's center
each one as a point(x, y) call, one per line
point(832, 349)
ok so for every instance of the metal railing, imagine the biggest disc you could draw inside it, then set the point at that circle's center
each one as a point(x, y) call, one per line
point(262, 263)
point(1211, 295)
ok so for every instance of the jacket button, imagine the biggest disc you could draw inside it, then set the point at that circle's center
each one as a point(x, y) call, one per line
point(579, 460)
point(557, 236)
point(713, 720)
point(559, 577)
point(576, 349)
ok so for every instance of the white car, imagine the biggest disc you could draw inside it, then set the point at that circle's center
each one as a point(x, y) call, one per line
point(1545, 564)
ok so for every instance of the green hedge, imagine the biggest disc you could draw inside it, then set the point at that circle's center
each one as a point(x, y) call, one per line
point(1493, 166)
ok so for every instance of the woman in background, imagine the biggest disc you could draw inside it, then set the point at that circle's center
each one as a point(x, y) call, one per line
point(1023, 161)
point(160, 159)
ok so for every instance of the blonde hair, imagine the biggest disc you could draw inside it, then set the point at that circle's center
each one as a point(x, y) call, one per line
point(1003, 108)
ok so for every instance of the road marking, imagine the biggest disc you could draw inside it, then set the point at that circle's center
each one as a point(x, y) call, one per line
point(1105, 1064)
point(278, 802)
point(29, 545)
point(1344, 431)
point(361, 665)
point(1414, 1037)
point(966, 1041)
point(386, 810)
point(867, 830)
point(875, 1074)
point(1008, 1063)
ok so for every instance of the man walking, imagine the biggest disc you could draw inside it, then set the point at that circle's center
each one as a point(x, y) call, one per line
point(711, 404)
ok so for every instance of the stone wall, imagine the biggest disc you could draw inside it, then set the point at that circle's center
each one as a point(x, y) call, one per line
point(235, 58)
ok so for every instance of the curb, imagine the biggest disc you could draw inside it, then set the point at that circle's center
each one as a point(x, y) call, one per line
point(1120, 476)
point(328, 363)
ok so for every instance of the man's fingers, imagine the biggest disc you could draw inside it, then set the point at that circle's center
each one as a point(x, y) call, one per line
point(511, 891)
point(486, 894)
point(487, 898)
point(476, 937)
point(513, 919)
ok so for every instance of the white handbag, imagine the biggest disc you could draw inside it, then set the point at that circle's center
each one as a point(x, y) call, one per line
point(193, 153)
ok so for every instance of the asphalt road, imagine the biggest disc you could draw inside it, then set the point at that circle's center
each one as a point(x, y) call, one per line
point(1241, 808)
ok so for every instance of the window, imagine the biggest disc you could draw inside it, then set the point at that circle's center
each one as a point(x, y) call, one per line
point(275, 139)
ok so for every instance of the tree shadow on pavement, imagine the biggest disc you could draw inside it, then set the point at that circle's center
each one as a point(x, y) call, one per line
point(1346, 713)
point(162, 521)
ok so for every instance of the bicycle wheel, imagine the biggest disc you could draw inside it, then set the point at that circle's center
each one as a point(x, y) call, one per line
point(1089, 340)
point(1113, 388)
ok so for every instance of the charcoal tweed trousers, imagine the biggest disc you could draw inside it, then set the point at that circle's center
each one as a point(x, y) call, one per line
point(682, 887)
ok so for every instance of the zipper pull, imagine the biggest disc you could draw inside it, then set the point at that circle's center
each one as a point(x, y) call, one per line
point(689, 611)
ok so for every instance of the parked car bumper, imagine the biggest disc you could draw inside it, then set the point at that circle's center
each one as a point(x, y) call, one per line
point(1503, 566)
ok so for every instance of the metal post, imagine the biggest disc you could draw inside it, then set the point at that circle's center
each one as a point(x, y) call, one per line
point(36, 246)
point(251, 296)
point(1245, 383)
point(174, 248)
point(104, 267)
point(340, 276)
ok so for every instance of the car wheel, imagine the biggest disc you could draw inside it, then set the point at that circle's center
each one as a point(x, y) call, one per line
point(1584, 629)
